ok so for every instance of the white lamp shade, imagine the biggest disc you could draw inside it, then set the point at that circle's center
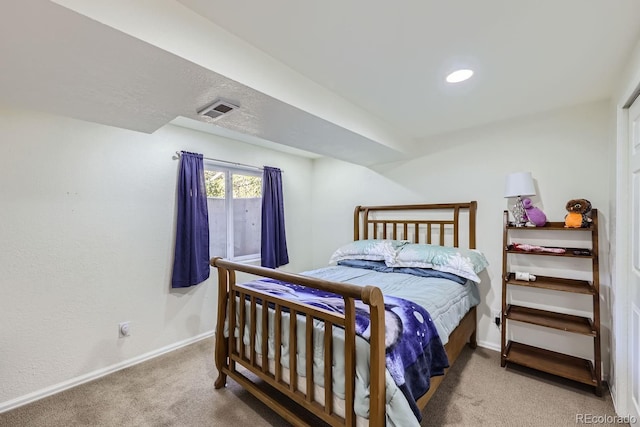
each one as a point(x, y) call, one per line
point(519, 184)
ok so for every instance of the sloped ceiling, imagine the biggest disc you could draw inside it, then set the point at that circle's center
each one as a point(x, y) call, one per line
point(359, 81)
point(59, 61)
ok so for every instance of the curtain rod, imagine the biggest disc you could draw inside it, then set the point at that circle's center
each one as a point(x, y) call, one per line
point(179, 153)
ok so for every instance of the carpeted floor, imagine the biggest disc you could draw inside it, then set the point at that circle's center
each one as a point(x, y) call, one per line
point(177, 390)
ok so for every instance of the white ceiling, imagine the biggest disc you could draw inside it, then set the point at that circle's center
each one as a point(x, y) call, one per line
point(356, 69)
point(391, 57)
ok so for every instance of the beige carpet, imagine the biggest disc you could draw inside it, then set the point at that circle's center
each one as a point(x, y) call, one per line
point(177, 390)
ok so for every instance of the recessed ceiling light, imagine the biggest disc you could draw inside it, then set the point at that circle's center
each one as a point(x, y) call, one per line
point(459, 76)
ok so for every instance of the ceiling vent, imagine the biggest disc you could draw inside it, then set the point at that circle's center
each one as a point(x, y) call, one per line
point(218, 109)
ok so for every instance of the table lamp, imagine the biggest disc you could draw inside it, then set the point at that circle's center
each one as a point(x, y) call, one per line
point(519, 184)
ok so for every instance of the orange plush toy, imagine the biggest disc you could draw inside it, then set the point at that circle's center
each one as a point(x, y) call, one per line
point(578, 216)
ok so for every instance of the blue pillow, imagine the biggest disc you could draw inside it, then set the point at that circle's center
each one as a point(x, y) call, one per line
point(381, 267)
point(366, 264)
point(430, 272)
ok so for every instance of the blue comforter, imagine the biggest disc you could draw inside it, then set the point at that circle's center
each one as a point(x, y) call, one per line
point(445, 300)
point(414, 351)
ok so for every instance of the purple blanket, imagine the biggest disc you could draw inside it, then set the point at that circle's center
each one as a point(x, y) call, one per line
point(414, 351)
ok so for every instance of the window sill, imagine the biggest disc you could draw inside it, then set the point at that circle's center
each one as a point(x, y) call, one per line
point(254, 261)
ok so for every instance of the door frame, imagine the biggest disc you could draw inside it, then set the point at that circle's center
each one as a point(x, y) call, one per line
point(620, 226)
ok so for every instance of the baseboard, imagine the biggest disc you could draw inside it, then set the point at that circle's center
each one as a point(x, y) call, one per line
point(57, 388)
point(489, 345)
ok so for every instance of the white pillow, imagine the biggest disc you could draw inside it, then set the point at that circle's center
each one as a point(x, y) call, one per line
point(465, 263)
point(371, 249)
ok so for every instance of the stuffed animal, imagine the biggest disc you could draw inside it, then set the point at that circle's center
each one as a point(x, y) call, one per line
point(534, 215)
point(578, 216)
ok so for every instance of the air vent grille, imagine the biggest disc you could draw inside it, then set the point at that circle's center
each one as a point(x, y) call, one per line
point(217, 109)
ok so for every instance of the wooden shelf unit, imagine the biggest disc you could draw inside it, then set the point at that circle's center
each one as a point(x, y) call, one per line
point(551, 362)
point(569, 253)
point(582, 370)
point(551, 319)
point(554, 283)
point(551, 225)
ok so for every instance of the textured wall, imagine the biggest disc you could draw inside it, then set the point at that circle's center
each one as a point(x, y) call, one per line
point(86, 241)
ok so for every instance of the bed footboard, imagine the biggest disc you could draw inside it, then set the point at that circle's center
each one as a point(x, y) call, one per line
point(230, 351)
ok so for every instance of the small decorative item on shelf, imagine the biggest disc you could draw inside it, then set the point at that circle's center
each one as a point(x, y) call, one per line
point(534, 248)
point(582, 252)
point(579, 214)
point(527, 277)
point(535, 216)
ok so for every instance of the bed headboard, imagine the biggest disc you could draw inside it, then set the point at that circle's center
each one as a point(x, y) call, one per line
point(436, 224)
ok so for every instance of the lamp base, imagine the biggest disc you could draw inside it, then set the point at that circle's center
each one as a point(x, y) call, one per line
point(519, 213)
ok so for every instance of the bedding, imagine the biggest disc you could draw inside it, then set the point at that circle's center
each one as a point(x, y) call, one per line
point(459, 261)
point(396, 254)
point(371, 249)
point(382, 267)
point(414, 352)
point(447, 302)
point(442, 302)
point(365, 393)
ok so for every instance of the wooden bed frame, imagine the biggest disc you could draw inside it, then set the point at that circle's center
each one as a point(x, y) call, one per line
point(367, 224)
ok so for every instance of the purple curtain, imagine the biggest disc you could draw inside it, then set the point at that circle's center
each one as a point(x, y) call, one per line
point(274, 242)
point(191, 261)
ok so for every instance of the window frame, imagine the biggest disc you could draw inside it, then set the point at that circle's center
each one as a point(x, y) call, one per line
point(211, 165)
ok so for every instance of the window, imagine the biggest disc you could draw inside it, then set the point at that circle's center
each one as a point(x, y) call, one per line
point(234, 200)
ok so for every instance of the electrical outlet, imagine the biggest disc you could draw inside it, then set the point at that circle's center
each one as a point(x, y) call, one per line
point(124, 329)
point(496, 317)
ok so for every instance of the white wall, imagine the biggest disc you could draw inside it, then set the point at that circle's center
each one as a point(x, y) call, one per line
point(87, 231)
point(88, 221)
point(566, 151)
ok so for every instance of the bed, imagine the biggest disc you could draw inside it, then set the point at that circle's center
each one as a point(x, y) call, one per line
point(348, 378)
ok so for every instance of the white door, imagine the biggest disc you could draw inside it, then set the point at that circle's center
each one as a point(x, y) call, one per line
point(634, 273)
